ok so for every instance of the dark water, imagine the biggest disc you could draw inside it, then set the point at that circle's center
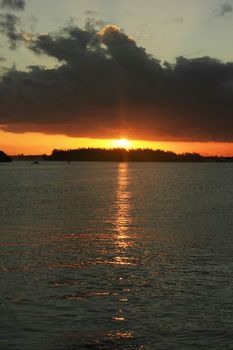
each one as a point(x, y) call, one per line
point(116, 256)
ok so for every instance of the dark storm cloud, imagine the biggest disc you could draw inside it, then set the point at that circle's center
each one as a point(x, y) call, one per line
point(12, 4)
point(8, 26)
point(225, 9)
point(106, 86)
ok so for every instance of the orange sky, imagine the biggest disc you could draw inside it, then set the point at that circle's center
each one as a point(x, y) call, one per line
point(37, 143)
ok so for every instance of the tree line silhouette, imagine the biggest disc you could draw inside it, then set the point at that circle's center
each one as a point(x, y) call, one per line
point(4, 157)
point(129, 155)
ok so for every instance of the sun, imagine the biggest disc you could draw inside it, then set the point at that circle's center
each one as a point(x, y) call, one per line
point(122, 143)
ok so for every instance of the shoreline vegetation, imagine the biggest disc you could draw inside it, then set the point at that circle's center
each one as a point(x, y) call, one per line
point(4, 158)
point(122, 155)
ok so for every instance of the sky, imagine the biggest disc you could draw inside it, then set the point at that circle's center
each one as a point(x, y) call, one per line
point(83, 73)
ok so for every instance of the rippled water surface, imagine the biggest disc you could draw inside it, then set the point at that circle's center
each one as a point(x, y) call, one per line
point(116, 256)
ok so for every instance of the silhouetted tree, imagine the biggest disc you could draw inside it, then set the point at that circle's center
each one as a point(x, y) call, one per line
point(4, 157)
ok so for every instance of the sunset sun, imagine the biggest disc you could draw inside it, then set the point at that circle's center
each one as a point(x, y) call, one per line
point(122, 143)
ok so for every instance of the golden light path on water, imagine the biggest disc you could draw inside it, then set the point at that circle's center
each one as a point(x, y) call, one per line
point(123, 239)
point(123, 206)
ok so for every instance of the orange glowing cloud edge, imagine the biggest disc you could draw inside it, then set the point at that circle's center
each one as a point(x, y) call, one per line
point(38, 143)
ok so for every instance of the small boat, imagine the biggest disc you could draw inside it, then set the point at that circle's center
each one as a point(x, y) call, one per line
point(35, 162)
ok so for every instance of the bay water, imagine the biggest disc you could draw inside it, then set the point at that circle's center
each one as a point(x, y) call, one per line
point(116, 256)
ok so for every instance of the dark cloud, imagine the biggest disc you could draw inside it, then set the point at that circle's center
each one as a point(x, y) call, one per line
point(9, 27)
point(10, 23)
point(225, 9)
point(12, 4)
point(106, 86)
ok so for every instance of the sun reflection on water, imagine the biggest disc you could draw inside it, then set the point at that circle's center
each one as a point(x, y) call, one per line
point(123, 206)
point(124, 241)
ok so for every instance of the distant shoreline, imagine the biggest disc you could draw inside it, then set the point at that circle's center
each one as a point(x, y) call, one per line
point(122, 155)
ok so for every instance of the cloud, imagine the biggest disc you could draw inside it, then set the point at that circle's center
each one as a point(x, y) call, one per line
point(225, 9)
point(107, 86)
point(12, 4)
point(9, 22)
point(8, 26)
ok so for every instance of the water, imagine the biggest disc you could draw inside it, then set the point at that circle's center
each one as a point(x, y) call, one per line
point(116, 256)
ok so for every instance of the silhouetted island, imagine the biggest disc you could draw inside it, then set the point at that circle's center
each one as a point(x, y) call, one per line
point(130, 155)
point(4, 157)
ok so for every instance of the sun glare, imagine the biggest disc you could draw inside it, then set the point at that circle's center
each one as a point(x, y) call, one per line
point(122, 143)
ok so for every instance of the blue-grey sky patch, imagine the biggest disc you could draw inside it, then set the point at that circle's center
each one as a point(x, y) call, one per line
point(90, 13)
point(178, 20)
